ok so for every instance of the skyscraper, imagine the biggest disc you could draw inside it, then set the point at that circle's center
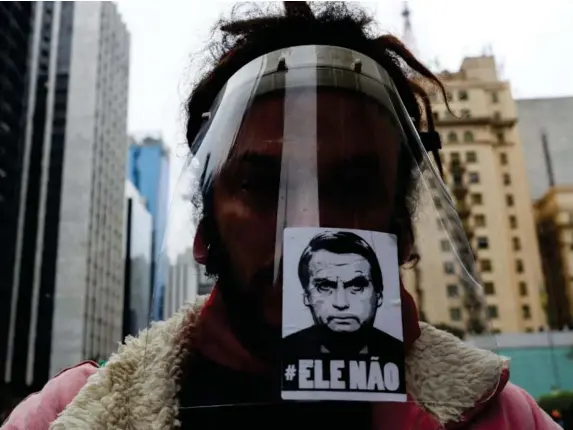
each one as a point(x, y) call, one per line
point(15, 40)
point(138, 258)
point(485, 171)
point(67, 293)
point(148, 170)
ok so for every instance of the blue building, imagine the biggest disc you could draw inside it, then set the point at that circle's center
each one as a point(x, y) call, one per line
point(148, 171)
point(540, 362)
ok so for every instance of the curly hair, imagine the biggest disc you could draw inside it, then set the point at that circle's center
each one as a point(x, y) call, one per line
point(330, 23)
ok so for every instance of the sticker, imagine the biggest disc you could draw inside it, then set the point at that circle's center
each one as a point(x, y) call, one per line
point(342, 319)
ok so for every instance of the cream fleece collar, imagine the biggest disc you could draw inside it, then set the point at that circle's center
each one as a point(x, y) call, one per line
point(138, 387)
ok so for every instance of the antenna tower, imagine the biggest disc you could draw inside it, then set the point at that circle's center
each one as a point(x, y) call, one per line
point(408, 33)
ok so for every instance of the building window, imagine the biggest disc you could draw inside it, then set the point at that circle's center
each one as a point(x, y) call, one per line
point(465, 113)
point(496, 116)
point(452, 137)
point(503, 158)
point(512, 222)
point(474, 177)
point(452, 290)
point(526, 312)
point(522, 289)
point(492, 311)
point(494, 97)
point(519, 268)
point(455, 314)
point(449, 96)
point(486, 266)
point(437, 203)
point(468, 136)
point(457, 178)
point(516, 243)
point(445, 245)
point(489, 288)
point(499, 137)
point(436, 115)
point(482, 242)
point(479, 220)
point(506, 179)
point(463, 95)
point(455, 156)
point(509, 200)
point(471, 157)
point(476, 199)
point(449, 268)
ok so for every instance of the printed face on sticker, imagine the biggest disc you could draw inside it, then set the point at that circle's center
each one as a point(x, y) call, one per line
point(356, 148)
point(342, 281)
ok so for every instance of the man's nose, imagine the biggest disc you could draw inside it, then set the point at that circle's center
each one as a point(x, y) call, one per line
point(340, 299)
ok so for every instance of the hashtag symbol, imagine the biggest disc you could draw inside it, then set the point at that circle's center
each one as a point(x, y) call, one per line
point(290, 372)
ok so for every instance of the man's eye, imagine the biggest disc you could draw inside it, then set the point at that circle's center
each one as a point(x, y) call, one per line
point(358, 285)
point(324, 288)
point(357, 288)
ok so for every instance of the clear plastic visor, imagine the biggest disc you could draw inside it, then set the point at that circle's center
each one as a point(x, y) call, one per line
point(315, 202)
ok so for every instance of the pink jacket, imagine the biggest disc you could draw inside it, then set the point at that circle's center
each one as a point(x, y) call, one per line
point(454, 386)
point(513, 408)
point(39, 410)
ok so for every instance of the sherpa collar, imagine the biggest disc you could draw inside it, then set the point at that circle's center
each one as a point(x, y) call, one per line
point(138, 388)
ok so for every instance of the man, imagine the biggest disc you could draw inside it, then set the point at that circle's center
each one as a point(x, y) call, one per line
point(287, 129)
point(343, 290)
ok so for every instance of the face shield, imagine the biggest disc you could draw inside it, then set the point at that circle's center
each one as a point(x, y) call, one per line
point(314, 203)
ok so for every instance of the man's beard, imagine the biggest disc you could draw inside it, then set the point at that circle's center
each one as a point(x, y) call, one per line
point(245, 306)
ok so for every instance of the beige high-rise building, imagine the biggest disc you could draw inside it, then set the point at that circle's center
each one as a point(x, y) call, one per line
point(554, 216)
point(485, 171)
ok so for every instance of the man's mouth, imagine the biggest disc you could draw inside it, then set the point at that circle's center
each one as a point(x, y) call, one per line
point(343, 319)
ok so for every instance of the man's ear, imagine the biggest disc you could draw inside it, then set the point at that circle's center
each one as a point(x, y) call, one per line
point(305, 299)
point(379, 299)
point(200, 247)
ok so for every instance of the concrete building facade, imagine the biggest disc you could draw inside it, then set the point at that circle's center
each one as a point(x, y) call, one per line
point(485, 171)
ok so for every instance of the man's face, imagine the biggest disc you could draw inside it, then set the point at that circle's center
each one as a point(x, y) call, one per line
point(340, 293)
point(357, 157)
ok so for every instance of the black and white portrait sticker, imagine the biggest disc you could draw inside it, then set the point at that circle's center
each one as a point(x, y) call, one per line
point(342, 320)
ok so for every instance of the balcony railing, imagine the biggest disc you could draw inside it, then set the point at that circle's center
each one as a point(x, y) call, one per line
point(476, 120)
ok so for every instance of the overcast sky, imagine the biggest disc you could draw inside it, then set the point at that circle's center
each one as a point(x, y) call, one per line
point(531, 41)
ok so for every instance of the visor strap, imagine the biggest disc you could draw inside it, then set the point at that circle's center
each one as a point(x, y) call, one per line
point(431, 140)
